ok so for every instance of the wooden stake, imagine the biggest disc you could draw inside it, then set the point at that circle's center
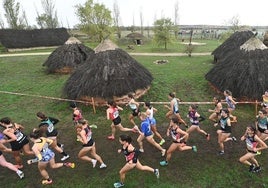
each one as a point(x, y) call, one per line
point(93, 104)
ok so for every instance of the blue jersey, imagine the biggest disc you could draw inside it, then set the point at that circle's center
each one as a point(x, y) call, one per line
point(146, 128)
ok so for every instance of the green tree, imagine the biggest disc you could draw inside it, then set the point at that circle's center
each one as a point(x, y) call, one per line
point(12, 10)
point(162, 28)
point(95, 20)
point(49, 18)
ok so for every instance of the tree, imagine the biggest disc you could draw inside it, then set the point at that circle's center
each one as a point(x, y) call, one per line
point(12, 10)
point(49, 18)
point(2, 25)
point(176, 19)
point(117, 19)
point(162, 28)
point(96, 20)
point(234, 23)
point(141, 20)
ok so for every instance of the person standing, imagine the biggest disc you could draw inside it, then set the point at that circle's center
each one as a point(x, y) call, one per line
point(85, 134)
point(44, 155)
point(145, 132)
point(174, 108)
point(224, 132)
point(47, 126)
point(150, 110)
point(132, 161)
point(112, 113)
point(195, 119)
point(254, 146)
point(178, 140)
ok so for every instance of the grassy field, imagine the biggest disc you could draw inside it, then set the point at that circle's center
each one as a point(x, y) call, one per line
point(183, 75)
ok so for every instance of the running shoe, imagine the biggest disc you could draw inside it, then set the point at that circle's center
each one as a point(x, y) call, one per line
point(216, 124)
point(110, 137)
point(234, 139)
point(194, 148)
point(118, 184)
point(71, 165)
point(20, 174)
point(103, 165)
point(258, 153)
point(208, 137)
point(163, 163)
point(162, 142)
point(163, 152)
point(257, 169)
point(221, 152)
point(156, 172)
point(251, 168)
point(94, 162)
point(65, 157)
point(141, 150)
point(62, 146)
point(46, 182)
point(93, 126)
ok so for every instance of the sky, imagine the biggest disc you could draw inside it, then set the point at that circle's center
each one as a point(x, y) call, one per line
point(191, 12)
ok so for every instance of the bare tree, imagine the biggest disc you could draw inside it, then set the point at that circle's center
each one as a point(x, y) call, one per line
point(141, 20)
point(176, 19)
point(49, 18)
point(12, 10)
point(234, 23)
point(2, 25)
point(116, 18)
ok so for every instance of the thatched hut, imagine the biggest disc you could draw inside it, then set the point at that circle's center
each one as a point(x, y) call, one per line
point(68, 56)
point(231, 44)
point(112, 74)
point(243, 72)
point(136, 38)
point(265, 39)
point(15, 39)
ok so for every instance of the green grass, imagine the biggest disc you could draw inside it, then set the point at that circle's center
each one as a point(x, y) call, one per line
point(183, 75)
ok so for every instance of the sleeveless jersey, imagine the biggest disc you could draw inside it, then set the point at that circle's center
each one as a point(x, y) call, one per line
point(262, 124)
point(224, 126)
point(114, 113)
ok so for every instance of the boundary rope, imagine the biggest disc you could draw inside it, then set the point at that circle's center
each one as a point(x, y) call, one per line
point(85, 102)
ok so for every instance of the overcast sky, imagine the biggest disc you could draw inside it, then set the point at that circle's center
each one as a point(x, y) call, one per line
point(191, 12)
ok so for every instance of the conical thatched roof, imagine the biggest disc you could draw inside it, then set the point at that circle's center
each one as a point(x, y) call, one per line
point(67, 57)
point(231, 44)
point(135, 35)
point(111, 74)
point(105, 46)
point(243, 72)
point(265, 40)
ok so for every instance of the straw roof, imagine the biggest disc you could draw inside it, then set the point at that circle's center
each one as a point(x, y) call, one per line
point(67, 57)
point(231, 44)
point(105, 46)
point(243, 72)
point(135, 35)
point(113, 73)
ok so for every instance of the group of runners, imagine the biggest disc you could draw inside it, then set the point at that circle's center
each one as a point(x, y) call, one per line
point(44, 137)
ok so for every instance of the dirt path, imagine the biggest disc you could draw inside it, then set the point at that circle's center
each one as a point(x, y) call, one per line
point(134, 54)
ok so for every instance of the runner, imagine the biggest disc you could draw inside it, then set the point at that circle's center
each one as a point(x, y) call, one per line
point(252, 141)
point(85, 134)
point(230, 104)
point(178, 136)
point(134, 106)
point(112, 113)
point(44, 155)
point(3, 161)
point(224, 132)
point(174, 108)
point(195, 119)
point(17, 139)
point(261, 125)
point(150, 114)
point(132, 160)
point(146, 132)
point(47, 126)
point(215, 116)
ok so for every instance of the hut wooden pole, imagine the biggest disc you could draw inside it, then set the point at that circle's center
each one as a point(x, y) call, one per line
point(93, 104)
point(256, 107)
